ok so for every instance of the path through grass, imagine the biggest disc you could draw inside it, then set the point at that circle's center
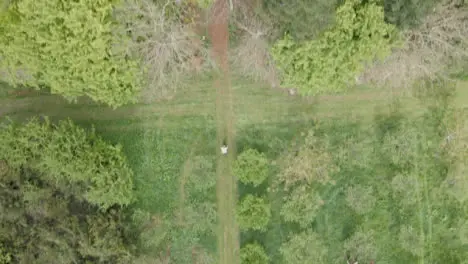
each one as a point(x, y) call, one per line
point(228, 232)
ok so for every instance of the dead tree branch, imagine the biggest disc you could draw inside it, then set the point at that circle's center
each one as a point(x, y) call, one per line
point(440, 43)
point(169, 49)
point(251, 56)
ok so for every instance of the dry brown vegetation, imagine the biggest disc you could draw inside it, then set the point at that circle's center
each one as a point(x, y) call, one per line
point(251, 56)
point(171, 49)
point(428, 51)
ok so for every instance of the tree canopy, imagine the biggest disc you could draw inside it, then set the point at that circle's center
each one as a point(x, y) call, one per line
point(253, 213)
point(331, 62)
point(253, 254)
point(304, 247)
point(407, 13)
point(72, 48)
point(251, 167)
point(302, 19)
point(75, 160)
point(63, 193)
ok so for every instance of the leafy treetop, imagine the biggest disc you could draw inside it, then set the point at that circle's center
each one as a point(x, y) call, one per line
point(253, 213)
point(331, 62)
point(251, 167)
point(79, 162)
point(253, 254)
point(70, 47)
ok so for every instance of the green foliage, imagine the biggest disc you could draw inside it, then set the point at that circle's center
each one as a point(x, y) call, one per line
point(395, 200)
point(201, 218)
point(407, 13)
point(253, 253)
point(302, 19)
point(301, 206)
point(79, 162)
point(362, 245)
point(360, 198)
point(203, 177)
point(204, 3)
point(396, 196)
point(253, 213)
point(305, 170)
point(411, 241)
point(5, 258)
point(41, 223)
point(305, 247)
point(310, 164)
point(70, 47)
point(251, 167)
point(331, 62)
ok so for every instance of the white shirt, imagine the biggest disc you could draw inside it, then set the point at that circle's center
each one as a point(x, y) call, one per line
point(224, 150)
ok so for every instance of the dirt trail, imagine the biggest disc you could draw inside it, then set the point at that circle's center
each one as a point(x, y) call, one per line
point(228, 234)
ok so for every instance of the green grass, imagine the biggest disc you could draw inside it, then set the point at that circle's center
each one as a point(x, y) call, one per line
point(158, 138)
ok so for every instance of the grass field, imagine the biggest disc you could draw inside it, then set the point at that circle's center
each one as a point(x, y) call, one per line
point(165, 141)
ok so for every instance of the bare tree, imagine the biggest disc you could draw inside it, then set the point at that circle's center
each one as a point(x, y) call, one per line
point(429, 51)
point(251, 56)
point(170, 50)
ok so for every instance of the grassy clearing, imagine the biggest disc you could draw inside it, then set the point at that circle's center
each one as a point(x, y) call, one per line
point(252, 104)
point(158, 139)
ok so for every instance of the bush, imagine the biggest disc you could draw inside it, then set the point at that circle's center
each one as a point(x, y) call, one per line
point(331, 63)
point(253, 213)
point(251, 167)
point(253, 253)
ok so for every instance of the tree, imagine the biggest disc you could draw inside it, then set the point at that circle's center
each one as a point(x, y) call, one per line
point(332, 61)
point(164, 35)
point(360, 198)
point(301, 206)
point(305, 169)
point(407, 13)
point(5, 258)
point(433, 49)
point(361, 246)
point(250, 54)
point(78, 162)
point(303, 20)
point(411, 241)
point(251, 167)
point(305, 247)
point(253, 254)
point(43, 223)
point(253, 213)
point(311, 163)
point(72, 48)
